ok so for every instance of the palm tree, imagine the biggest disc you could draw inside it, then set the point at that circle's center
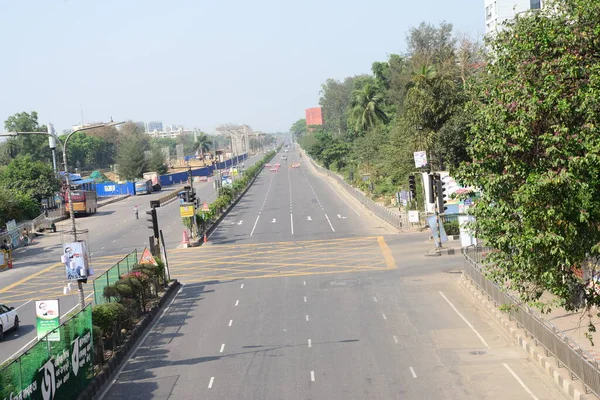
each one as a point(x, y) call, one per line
point(367, 107)
point(202, 142)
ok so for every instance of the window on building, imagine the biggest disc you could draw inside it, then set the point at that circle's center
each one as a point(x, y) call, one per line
point(488, 12)
point(535, 4)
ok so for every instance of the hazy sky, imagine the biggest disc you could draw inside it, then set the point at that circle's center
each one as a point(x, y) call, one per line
point(198, 63)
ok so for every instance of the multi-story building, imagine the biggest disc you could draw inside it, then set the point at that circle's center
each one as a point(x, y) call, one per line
point(498, 11)
point(170, 133)
point(154, 126)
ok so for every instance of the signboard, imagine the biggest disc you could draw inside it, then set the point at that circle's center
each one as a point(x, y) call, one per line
point(420, 159)
point(413, 216)
point(75, 258)
point(205, 207)
point(226, 181)
point(147, 258)
point(60, 371)
point(186, 210)
point(47, 318)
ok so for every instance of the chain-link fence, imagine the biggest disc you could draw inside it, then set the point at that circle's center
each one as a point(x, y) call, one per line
point(59, 366)
point(112, 275)
point(567, 353)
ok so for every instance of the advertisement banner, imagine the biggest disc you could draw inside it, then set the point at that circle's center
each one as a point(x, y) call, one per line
point(47, 319)
point(75, 258)
point(420, 159)
point(60, 370)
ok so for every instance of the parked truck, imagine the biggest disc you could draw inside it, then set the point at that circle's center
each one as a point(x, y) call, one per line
point(155, 178)
point(143, 186)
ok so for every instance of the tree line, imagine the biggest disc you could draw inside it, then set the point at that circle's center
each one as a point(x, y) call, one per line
point(516, 120)
point(374, 122)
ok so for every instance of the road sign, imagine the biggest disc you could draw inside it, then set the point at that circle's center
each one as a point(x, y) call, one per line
point(205, 207)
point(147, 258)
point(186, 210)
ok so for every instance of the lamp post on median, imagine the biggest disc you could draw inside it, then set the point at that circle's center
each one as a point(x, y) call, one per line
point(53, 135)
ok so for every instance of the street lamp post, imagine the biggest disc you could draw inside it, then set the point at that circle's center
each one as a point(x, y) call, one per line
point(53, 135)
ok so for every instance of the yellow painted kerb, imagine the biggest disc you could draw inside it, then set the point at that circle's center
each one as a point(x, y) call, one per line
point(387, 253)
point(12, 285)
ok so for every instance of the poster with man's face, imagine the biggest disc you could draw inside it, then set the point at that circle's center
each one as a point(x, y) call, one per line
point(76, 260)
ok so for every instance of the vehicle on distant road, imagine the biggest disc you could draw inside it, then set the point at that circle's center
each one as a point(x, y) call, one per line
point(85, 202)
point(296, 165)
point(143, 186)
point(268, 165)
point(284, 158)
point(275, 169)
point(9, 319)
point(155, 178)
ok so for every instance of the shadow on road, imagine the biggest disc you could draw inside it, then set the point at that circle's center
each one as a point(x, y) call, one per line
point(23, 330)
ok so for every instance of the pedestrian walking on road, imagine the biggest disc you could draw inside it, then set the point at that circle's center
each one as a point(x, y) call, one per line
point(135, 211)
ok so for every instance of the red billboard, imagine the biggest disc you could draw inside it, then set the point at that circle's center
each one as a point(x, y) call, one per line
point(314, 116)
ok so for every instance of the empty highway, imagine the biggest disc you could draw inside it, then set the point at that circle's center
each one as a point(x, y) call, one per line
point(300, 294)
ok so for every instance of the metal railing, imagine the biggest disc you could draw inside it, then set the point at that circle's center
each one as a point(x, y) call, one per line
point(399, 221)
point(581, 364)
point(112, 275)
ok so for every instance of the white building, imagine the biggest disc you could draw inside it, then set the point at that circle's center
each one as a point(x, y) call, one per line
point(498, 11)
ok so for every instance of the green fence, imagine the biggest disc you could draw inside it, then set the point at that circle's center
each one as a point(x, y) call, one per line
point(53, 369)
point(112, 275)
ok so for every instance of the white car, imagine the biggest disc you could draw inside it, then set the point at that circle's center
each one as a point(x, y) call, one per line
point(8, 319)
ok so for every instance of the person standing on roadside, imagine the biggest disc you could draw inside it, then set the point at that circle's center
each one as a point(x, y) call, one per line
point(136, 212)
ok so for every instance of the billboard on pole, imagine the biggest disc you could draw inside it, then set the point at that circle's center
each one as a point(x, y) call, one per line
point(47, 319)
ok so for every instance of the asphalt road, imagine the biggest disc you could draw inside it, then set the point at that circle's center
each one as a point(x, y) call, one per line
point(113, 232)
point(291, 301)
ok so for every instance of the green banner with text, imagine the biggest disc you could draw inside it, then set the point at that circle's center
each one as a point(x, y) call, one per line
point(53, 369)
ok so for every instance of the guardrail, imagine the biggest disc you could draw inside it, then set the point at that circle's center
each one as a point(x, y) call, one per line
point(581, 364)
point(399, 221)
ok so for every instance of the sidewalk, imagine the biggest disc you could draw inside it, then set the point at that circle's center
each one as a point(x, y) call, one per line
point(575, 325)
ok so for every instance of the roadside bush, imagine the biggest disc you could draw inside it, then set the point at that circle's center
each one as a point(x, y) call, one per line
point(452, 227)
point(107, 316)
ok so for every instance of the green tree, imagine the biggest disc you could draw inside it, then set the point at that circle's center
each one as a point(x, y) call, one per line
point(35, 146)
point(157, 161)
point(88, 152)
point(202, 142)
point(535, 145)
point(35, 178)
point(335, 101)
point(298, 129)
point(18, 205)
point(131, 157)
point(367, 108)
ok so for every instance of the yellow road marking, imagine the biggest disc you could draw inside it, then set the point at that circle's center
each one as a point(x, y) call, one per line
point(12, 285)
point(387, 253)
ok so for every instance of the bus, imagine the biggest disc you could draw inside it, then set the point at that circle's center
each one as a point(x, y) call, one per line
point(143, 186)
point(84, 202)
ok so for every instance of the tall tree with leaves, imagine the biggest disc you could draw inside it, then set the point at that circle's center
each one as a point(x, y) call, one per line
point(299, 128)
point(131, 157)
point(535, 145)
point(157, 161)
point(35, 146)
point(27, 175)
point(367, 107)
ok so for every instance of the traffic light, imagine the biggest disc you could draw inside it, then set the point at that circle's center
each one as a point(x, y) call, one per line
point(192, 196)
point(412, 186)
point(431, 185)
point(152, 221)
point(187, 189)
point(440, 194)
